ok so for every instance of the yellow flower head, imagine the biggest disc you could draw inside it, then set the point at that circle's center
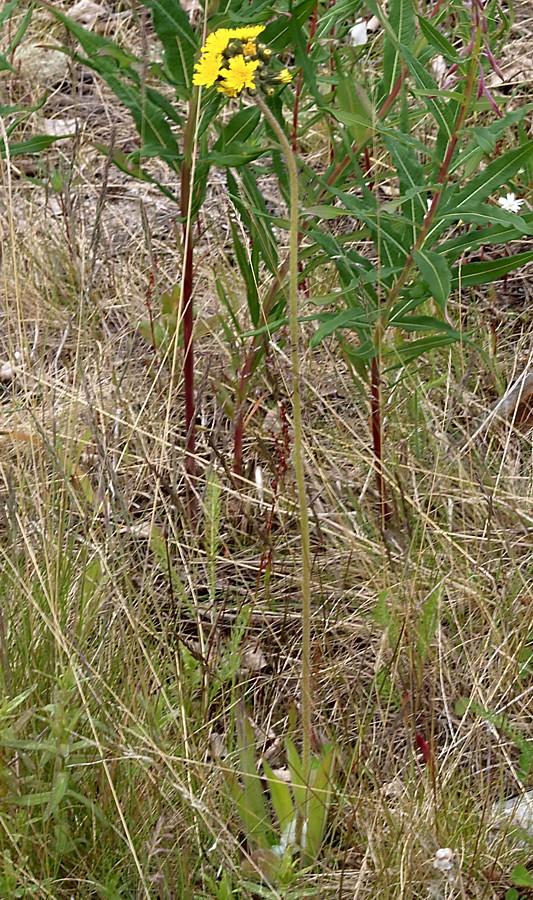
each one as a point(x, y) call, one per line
point(218, 40)
point(284, 77)
point(248, 33)
point(238, 76)
point(234, 61)
point(207, 70)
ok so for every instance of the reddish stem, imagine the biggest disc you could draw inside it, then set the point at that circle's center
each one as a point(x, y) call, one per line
point(376, 427)
point(188, 342)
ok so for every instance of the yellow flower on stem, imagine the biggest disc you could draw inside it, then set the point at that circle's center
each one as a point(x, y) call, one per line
point(218, 40)
point(238, 76)
point(247, 33)
point(284, 77)
point(207, 70)
point(250, 49)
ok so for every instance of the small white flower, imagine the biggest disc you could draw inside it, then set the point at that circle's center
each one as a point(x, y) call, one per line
point(444, 859)
point(358, 35)
point(510, 203)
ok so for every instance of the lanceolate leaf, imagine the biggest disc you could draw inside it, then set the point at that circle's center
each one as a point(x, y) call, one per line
point(436, 273)
point(251, 205)
point(402, 21)
point(7, 10)
point(117, 68)
point(489, 270)
point(495, 234)
point(424, 323)
point(239, 128)
point(281, 798)
point(411, 177)
point(319, 803)
point(244, 261)
point(33, 145)
point(437, 40)
point(440, 110)
point(180, 43)
point(490, 214)
point(277, 34)
point(411, 350)
point(356, 319)
point(491, 179)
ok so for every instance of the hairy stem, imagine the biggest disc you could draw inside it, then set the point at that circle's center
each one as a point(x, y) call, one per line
point(298, 442)
point(186, 301)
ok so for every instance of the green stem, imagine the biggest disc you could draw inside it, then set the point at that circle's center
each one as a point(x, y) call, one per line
point(298, 439)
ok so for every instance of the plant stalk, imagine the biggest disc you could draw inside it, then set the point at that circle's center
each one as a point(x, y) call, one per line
point(186, 300)
point(381, 324)
point(306, 710)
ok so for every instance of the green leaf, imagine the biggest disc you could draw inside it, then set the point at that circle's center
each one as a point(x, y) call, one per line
point(425, 323)
point(21, 30)
point(436, 273)
point(492, 178)
point(252, 801)
point(277, 34)
point(437, 40)
point(441, 111)
point(490, 214)
point(319, 803)
point(121, 72)
point(475, 239)
point(130, 166)
point(428, 622)
point(250, 203)
point(238, 155)
point(58, 792)
point(356, 318)
point(7, 10)
point(281, 798)
point(411, 177)
point(489, 270)
point(33, 145)
point(298, 779)
point(238, 129)
point(250, 277)
point(522, 877)
point(303, 58)
point(180, 43)
point(402, 22)
point(411, 350)
point(353, 99)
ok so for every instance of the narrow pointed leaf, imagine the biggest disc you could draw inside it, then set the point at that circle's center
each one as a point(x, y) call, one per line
point(489, 270)
point(436, 273)
point(281, 798)
point(497, 173)
point(180, 42)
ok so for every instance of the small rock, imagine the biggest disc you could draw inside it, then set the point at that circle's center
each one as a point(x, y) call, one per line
point(87, 13)
point(59, 127)
point(40, 64)
point(515, 813)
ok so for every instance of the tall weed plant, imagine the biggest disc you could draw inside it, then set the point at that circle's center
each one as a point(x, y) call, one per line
point(418, 173)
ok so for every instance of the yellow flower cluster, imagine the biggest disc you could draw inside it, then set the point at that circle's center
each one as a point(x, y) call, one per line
point(233, 59)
